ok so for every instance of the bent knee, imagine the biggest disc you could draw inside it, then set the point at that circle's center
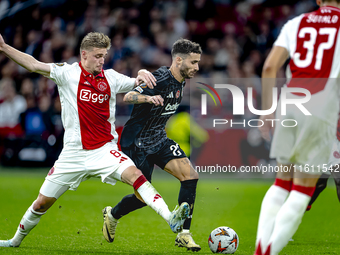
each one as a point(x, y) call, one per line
point(131, 174)
point(43, 203)
point(135, 173)
point(194, 175)
point(189, 175)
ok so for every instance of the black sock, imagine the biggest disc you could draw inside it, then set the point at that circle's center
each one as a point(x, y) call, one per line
point(337, 183)
point(128, 204)
point(320, 186)
point(187, 194)
point(338, 191)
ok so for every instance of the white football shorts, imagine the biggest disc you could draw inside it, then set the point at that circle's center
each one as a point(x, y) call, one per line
point(307, 145)
point(74, 166)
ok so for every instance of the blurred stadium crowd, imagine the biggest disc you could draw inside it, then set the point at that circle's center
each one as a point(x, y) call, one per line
point(235, 37)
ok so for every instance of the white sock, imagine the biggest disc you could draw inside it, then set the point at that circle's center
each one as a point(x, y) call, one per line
point(271, 204)
point(153, 199)
point(288, 220)
point(30, 219)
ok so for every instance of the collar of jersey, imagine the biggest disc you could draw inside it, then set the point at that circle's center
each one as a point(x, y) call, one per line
point(331, 7)
point(87, 74)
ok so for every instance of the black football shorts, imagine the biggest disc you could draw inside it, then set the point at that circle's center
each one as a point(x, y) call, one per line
point(145, 159)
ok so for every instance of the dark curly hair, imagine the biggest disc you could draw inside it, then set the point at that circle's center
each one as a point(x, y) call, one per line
point(184, 47)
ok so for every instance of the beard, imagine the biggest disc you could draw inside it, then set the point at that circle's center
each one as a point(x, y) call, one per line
point(184, 72)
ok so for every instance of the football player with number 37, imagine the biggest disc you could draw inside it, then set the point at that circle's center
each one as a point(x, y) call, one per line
point(312, 43)
point(88, 99)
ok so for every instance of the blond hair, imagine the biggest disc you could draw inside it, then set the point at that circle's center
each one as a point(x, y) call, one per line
point(95, 40)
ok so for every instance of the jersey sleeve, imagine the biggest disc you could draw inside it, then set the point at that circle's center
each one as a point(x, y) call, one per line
point(283, 38)
point(122, 83)
point(288, 35)
point(143, 89)
point(57, 73)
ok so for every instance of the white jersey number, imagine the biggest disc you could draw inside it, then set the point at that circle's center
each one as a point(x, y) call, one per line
point(310, 45)
point(175, 150)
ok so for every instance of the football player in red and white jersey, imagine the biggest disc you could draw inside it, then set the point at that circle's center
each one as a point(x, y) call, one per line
point(312, 43)
point(88, 98)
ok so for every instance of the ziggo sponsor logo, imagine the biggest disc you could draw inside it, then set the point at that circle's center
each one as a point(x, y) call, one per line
point(87, 95)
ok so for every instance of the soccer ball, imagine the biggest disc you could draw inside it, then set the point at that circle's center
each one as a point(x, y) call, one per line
point(223, 240)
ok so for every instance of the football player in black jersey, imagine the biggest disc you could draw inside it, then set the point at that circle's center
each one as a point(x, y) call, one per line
point(144, 138)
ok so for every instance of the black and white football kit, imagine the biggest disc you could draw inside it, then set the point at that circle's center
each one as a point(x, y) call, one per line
point(144, 138)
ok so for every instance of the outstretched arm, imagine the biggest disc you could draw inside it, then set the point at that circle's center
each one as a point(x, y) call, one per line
point(134, 97)
point(23, 59)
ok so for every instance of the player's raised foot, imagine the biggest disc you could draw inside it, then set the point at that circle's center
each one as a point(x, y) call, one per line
point(178, 216)
point(185, 240)
point(110, 224)
point(6, 243)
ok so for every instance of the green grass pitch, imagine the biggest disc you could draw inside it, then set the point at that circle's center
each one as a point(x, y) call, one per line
point(73, 225)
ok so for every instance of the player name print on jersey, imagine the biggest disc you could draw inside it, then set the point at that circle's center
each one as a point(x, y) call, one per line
point(322, 19)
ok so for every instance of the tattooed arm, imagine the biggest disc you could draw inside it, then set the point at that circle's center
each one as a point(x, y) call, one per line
point(134, 97)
